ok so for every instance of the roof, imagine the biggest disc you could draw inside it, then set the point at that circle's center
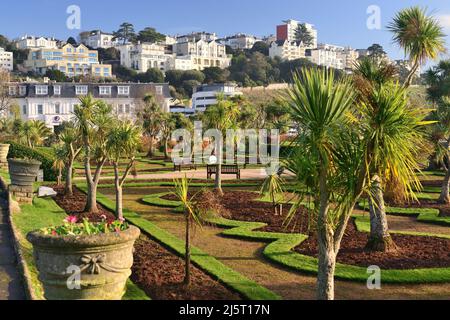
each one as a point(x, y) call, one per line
point(137, 90)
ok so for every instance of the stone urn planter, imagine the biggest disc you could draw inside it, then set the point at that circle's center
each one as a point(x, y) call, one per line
point(4, 150)
point(102, 263)
point(23, 173)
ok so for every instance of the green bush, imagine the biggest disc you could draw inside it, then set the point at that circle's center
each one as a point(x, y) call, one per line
point(19, 151)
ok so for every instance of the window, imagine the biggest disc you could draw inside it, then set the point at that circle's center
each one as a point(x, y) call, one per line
point(12, 91)
point(159, 90)
point(41, 90)
point(81, 90)
point(127, 108)
point(22, 90)
point(57, 108)
point(105, 91)
point(40, 109)
point(120, 108)
point(24, 109)
point(57, 90)
point(124, 90)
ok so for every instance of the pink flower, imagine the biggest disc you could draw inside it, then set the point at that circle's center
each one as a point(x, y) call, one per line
point(71, 219)
point(122, 220)
point(54, 233)
point(103, 217)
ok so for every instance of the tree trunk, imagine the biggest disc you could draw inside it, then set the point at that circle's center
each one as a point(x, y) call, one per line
point(218, 184)
point(379, 238)
point(187, 278)
point(91, 204)
point(59, 176)
point(445, 197)
point(166, 153)
point(327, 256)
point(411, 74)
point(119, 207)
point(68, 191)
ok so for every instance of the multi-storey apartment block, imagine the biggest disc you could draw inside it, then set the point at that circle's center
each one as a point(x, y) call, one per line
point(97, 39)
point(203, 50)
point(326, 55)
point(288, 31)
point(54, 103)
point(240, 41)
point(206, 95)
point(6, 60)
point(143, 56)
point(71, 60)
point(287, 50)
point(32, 43)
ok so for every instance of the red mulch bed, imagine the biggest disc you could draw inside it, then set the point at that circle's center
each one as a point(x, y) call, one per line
point(413, 252)
point(158, 271)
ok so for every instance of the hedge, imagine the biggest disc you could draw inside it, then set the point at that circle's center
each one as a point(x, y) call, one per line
point(18, 151)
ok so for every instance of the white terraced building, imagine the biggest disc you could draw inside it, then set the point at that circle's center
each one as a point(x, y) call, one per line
point(54, 103)
point(32, 42)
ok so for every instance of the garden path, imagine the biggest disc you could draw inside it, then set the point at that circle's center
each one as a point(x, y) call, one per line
point(246, 257)
point(11, 287)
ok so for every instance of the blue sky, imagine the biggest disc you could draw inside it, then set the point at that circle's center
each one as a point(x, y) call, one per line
point(340, 22)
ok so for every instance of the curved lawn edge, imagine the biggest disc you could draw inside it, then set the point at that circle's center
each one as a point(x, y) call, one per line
point(280, 250)
point(229, 277)
point(426, 215)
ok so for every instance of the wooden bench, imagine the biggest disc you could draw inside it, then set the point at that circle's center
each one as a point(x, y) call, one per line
point(226, 169)
point(184, 166)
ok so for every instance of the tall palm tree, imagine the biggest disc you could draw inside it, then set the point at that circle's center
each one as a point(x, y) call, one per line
point(93, 121)
point(193, 217)
point(34, 132)
point(327, 161)
point(122, 143)
point(59, 162)
point(151, 116)
point(393, 140)
point(221, 116)
point(420, 35)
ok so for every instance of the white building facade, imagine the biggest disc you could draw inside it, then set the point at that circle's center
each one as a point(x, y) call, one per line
point(206, 95)
point(32, 42)
point(288, 31)
point(97, 39)
point(327, 56)
point(287, 50)
point(6, 60)
point(240, 41)
point(54, 103)
point(144, 56)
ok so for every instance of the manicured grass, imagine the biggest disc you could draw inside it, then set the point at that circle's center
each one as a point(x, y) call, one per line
point(5, 175)
point(281, 245)
point(427, 215)
point(44, 213)
point(234, 280)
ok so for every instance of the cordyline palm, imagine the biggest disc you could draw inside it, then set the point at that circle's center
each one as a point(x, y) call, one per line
point(221, 116)
point(192, 217)
point(59, 162)
point(34, 132)
point(420, 36)
point(93, 120)
point(272, 188)
point(122, 143)
point(71, 139)
point(393, 139)
point(441, 139)
point(151, 117)
point(327, 161)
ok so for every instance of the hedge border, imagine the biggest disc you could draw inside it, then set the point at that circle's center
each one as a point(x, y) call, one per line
point(229, 277)
point(280, 247)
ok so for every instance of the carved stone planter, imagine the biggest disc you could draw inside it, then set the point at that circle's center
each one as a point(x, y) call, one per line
point(23, 172)
point(102, 263)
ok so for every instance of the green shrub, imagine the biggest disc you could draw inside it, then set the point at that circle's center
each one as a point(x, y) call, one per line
point(19, 151)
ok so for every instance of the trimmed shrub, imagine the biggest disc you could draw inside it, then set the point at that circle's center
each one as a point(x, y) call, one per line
point(18, 151)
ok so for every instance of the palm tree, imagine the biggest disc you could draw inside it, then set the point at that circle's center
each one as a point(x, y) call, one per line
point(192, 217)
point(221, 116)
point(93, 121)
point(273, 188)
point(59, 162)
point(392, 139)
point(123, 142)
point(168, 124)
point(420, 35)
point(72, 143)
point(328, 161)
point(151, 120)
point(34, 132)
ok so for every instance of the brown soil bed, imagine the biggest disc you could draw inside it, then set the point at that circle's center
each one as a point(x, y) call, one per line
point(444, 209)
point(110, 181)
point(413, 252)
point(158, 271)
